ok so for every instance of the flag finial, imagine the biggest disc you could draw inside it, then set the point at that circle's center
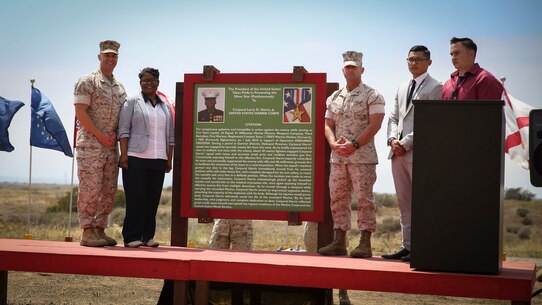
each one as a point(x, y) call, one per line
point(503, 79)
point(32, 81)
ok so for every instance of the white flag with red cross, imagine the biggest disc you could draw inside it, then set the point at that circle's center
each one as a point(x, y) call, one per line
point(517, 130)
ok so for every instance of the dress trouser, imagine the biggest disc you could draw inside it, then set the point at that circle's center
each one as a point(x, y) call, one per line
point(402, 177)
point(143, 182)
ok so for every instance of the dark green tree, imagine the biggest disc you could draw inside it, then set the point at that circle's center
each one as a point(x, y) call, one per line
point(518, 193)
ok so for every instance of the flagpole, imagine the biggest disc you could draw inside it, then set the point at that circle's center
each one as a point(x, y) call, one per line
point(28, 235)
point(68, 237)
point(503, 79)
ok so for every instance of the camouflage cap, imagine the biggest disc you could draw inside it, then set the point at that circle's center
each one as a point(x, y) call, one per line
point(210, 93)
point(109, 46)
point(352, 58)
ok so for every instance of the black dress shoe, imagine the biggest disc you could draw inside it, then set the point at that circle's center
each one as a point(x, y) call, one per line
point(397, 255)
point(406, 258)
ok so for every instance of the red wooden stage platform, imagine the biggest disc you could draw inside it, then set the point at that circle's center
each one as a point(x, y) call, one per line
point(514, 283)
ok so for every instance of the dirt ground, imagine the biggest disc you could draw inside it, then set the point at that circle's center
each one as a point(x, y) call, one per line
point(65, 289)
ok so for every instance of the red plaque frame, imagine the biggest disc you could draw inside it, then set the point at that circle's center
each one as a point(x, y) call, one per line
point(316, 79)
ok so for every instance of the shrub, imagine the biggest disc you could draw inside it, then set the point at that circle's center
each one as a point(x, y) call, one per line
point(513, 230)
point(165, 198)
point(380, 199)
point(389, 225)
point(521, 212)
point(117, 217)
point(518, 194)
point(63, 203)
point(121, 199)
point(387, 200)
point(527, 221)
point(525, 233)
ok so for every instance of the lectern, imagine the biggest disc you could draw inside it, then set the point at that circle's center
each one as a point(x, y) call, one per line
point(457, 187)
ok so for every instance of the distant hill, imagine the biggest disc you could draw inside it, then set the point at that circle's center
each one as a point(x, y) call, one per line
point(41, 186)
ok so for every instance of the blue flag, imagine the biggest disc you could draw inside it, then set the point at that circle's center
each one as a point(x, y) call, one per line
point(46, 130)
point(7, 111)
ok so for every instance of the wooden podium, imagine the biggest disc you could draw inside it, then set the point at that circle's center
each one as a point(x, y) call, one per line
point(458, 178)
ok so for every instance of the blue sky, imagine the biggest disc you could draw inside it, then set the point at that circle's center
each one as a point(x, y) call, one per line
point(56, 42)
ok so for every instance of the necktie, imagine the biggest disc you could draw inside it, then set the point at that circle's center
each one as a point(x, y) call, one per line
point(410, 93)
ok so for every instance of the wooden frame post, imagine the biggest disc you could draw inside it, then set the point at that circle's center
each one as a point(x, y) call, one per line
point(176, 292)
point(325, 228)
point(209, 72)
point(298, 73)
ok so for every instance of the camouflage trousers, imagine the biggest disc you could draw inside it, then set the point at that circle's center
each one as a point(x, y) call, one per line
point(310, 236)
point(348, 179)
point(97, 169)
point(235, 232)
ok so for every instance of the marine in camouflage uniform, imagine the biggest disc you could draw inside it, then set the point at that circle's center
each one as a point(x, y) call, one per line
point(98, 99)
point(237, 233)
point(353, 117)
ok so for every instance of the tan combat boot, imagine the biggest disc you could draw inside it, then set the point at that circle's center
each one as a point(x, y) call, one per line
point(363, 250)
point(90, 239)
point(336, 247)
point(100, 232)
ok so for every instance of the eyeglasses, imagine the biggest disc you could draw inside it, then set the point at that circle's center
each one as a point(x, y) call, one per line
point(148, 81)
point(415, 60)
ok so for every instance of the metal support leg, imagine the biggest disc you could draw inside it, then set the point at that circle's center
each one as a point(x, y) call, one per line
point(3, 287)
point(202, 293)
point(180, 292)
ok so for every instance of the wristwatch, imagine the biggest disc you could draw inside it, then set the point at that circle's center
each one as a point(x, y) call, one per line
point(355, 144)
point(389, 140)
